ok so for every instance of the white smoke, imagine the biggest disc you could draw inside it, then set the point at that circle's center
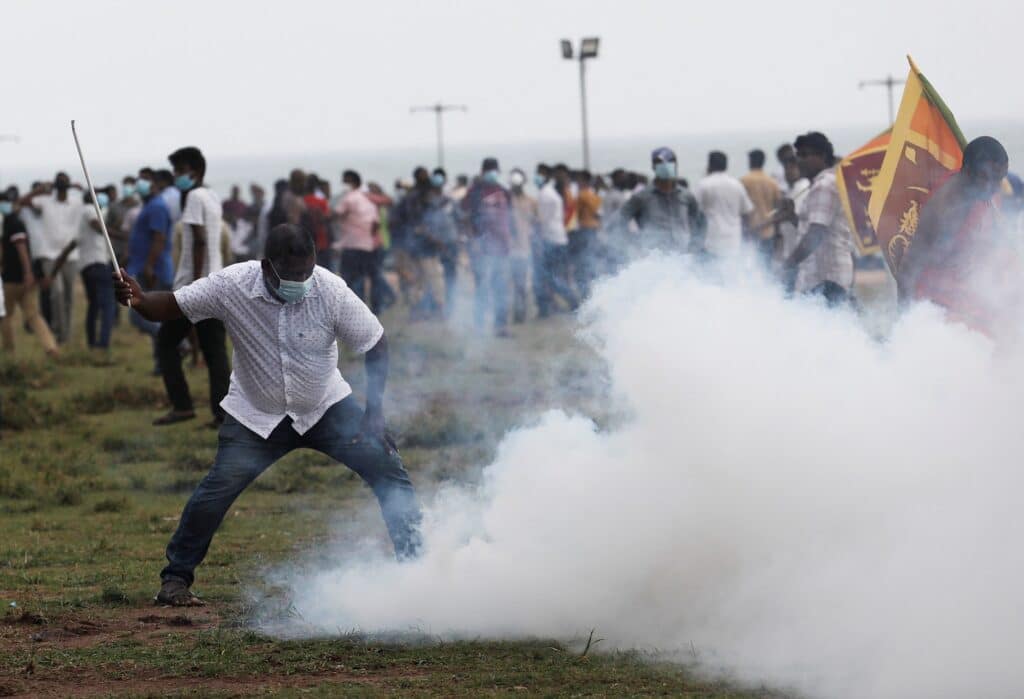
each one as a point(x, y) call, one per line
point(798, 503)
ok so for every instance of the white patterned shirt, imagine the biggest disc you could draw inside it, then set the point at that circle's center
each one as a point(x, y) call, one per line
point(832, 260)
point(285, 355)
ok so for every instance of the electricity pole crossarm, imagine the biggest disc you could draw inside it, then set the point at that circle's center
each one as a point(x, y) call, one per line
point(439, 109)
point(890, 83)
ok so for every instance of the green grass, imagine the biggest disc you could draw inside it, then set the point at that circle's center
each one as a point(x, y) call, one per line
point(90, 493)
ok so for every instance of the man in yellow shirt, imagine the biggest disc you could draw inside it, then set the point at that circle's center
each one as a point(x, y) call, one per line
point(765, 194)
point(583, 246)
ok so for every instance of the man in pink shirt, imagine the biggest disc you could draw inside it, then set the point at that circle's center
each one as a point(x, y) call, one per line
point(358, 221)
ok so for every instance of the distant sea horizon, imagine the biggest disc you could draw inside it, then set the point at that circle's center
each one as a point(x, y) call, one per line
point(386, 164)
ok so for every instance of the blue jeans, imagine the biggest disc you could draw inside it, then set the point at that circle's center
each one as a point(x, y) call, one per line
point(492, 282)
point(99, 290)
point(554, 280)
point(242, 455)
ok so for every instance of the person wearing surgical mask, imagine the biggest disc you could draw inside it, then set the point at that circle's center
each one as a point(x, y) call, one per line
point(285, 316)
point(450, 249)
point(488, 208)
point(524, 227)
point(666, 212)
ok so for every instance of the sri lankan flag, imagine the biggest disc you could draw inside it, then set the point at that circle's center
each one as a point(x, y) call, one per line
point(855, 178)
point(925, 148)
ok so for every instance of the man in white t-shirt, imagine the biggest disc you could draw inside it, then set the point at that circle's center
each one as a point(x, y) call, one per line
point(59, 216)
point(285, 316)
point(726, 206)
point(200, 257)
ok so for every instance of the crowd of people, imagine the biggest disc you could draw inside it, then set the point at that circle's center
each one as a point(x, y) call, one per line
point(526, 242)
point(545, 234)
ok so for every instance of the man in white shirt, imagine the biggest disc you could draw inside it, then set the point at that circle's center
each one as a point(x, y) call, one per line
point(555, 256)
point(822, 262)
point(59, 215)
point(285, 316)
point(726, 206)
point(200, 257)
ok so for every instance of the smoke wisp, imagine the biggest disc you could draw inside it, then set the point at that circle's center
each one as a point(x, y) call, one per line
point(800, 503)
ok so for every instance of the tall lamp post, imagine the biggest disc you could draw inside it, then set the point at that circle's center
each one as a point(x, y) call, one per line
point(439, 109)
point(588, 50)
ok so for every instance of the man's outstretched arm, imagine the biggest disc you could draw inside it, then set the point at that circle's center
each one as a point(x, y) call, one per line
point(152, 305)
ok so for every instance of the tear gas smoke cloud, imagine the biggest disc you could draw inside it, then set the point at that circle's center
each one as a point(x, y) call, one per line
point(804, 505)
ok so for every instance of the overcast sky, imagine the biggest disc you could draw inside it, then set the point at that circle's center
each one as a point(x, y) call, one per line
point(245, 78)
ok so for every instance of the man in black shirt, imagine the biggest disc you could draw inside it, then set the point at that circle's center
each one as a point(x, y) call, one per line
point(19, 280)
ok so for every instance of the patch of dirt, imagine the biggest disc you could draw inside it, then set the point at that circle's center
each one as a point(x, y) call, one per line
point(110, 625)
point(144, 626)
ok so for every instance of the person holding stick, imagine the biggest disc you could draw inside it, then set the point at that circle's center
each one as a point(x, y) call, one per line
point(285, 316)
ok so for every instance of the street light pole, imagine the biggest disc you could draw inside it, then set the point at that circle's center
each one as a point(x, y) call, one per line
point(439, 109)
point(588, 49)
point(583, 109)
point(889, 82)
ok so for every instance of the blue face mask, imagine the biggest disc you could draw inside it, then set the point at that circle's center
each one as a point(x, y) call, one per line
point(492, 177)
point(665, 170)
point(184, 182)
point(6, 208)
point(540, 180)
point(289, 291)
point(143, 187)
point(437, 180)
point(102, 199)
point(127, 190)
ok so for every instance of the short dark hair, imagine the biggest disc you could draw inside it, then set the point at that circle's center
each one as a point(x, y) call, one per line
point(146, 172)
point(784, 152)
point(353, 176)
point(287, 240)
point(756, 158)
point(585, 177)
point(717, 162)
point(816, 142)
point(440, 171)
point(984, 149)
point(190, 157)
point(543, 169)
point(164, 177)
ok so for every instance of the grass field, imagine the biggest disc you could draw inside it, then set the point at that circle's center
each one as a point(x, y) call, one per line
point(90, 493)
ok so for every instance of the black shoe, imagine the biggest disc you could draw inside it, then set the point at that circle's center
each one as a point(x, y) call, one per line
point(175, 593)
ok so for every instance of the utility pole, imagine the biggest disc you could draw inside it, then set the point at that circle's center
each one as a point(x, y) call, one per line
point(890, 83)
point(588, 50)
point(439, 109)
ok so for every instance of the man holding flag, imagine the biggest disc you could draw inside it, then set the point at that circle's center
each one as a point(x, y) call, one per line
point(935, 220)
point(960, 258)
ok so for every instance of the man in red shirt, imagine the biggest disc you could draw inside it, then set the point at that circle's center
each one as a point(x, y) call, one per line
point(316, 215)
